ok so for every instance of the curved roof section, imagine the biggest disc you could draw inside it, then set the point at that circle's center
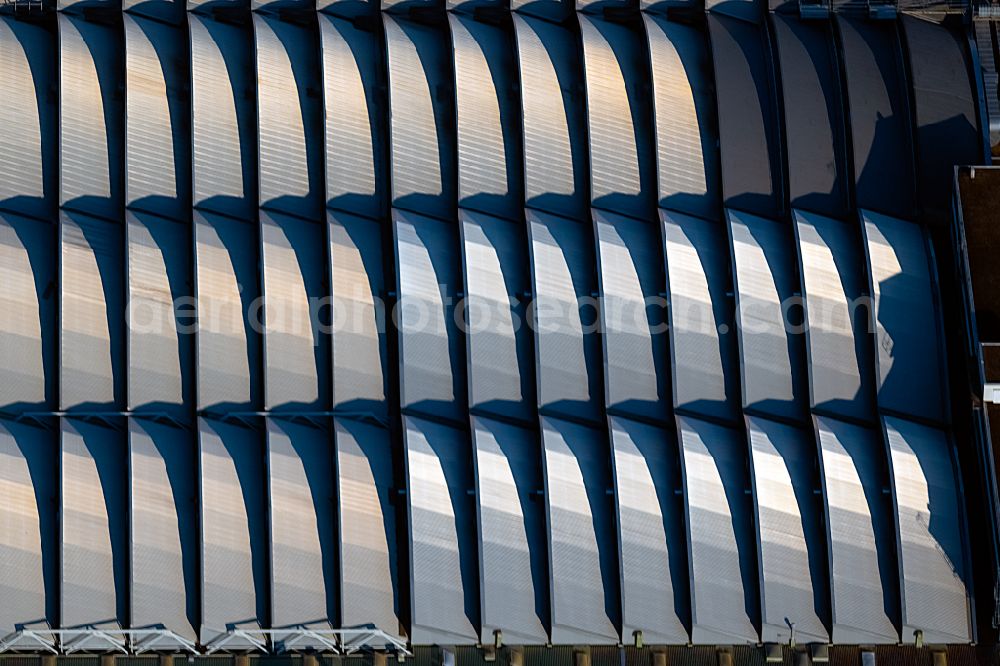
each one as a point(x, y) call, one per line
point(567, 348)
point(490, 146)
point(582, 567)
point(234, 537)
point(431, 355)
point(29, 457)
point(864, 577)
point(289, 135)
point(725, 595)
point(814, 130)
point(422, 117)
point(91, 122)
point(749, 140)
point(879, 115)
point(163, 554)
point(703, 347)
point(230, 366)
point(687, 134)
point(905, 316)
point(513, 543)
point(794, 576)
point(499, 350)
point(160, 347)
point(157, 120)
point(356, 131)
point(650, 517)
point(945, 104)
point(555, 136)
point(28, 351)
point(840, 355)
point(620, 126)
point(442, 522)
point(224, 125)
point(633, 316)
point(371, 586)
point(772, 345)
point(301, 516)
point(28, 172)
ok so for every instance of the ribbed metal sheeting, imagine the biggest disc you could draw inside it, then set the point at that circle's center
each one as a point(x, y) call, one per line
point(30, 475)
point(28, 352)
point(841, 363)
point(513, 558)
point(496, 322)
point(93, 525)
point(300, 466)
point(28, 179)
point(234, 542)
point(771, 349)
point(863, 574)
point(164, 523)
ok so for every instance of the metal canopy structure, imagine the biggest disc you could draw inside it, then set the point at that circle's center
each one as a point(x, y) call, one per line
point(346, 326)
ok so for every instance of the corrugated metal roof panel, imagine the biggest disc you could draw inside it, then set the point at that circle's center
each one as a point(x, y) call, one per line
point(772, 344)
point(431, 348)
point(911, 367)
point(490, 159)
point(224, 129)
point(878, 113)
point(229, 346)
point(790, 529)
point(93, 512)
point(620, 125)
point(360, 318)
point(157, 120)
point(92, 345)
point(944, 110)
point(301, 496)
point(296, 346)
point(29, 476)
point(687, 135)
point(863, 572)
point(749, 139)
point(724, 592)
point(702, 337)
point(567, 348)
point(583, 558)
point(555, 135)
point(164, 528)
point(290, 117)
point(655, 582)
point(366, 490)
point(501, 357)
point(91, 118)
point(633, 312)
point(422, 118)
point(28, 171)
point(160, 342)
point(28, 352)
point(443, 554)
point(932, 532)
point(513, 547)
point(814, 119)
point(356, 151)
point(842, 367)
point(233, 530)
